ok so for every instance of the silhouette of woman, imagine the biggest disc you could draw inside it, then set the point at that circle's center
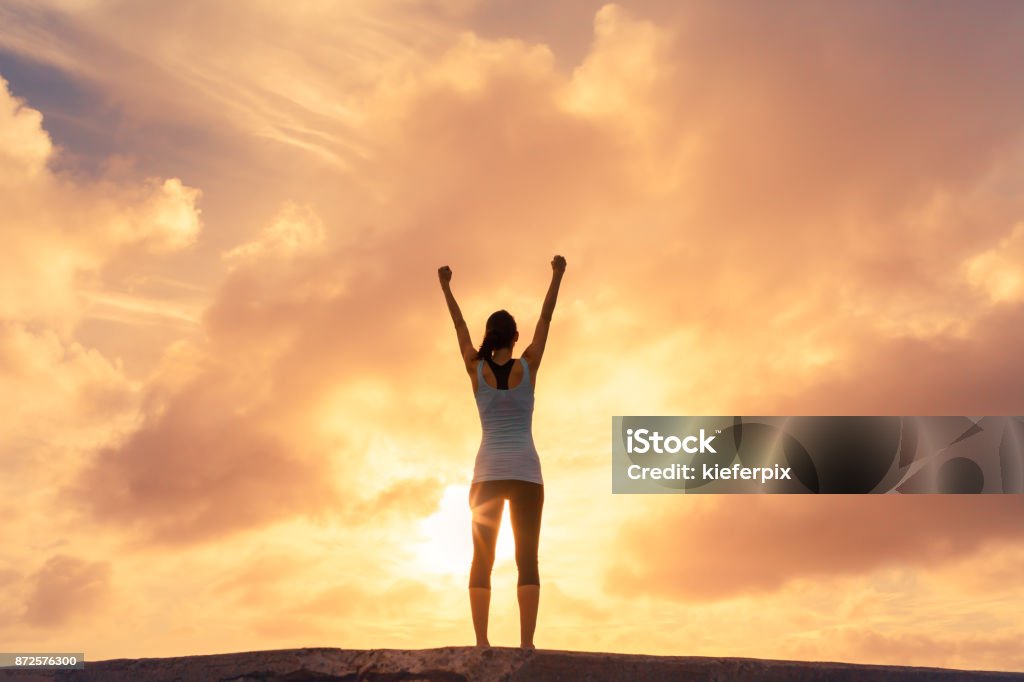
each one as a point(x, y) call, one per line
point(507, 465)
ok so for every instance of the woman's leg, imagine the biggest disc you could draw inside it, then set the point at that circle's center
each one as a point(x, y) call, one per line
point(526, 503)
point(480, 605)
point(487, 504)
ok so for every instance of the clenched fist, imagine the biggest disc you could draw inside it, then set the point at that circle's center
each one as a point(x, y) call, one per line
point(444, 273)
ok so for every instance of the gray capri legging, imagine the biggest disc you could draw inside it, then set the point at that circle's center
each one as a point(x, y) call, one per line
point(525, 503)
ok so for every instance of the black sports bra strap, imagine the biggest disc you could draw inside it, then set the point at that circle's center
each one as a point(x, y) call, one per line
point(501, 372)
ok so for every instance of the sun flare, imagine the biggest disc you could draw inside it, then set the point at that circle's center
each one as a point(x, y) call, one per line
point(445, 538)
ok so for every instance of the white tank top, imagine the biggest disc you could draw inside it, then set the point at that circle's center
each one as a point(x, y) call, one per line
point(506, 418)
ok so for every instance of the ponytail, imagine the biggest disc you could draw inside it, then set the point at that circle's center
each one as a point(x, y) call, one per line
point(487, 347)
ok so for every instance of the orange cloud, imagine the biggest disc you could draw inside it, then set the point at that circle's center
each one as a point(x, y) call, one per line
point(773, 540)
point(67, 589)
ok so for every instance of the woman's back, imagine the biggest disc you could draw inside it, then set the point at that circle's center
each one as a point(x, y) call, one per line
point(507, 450)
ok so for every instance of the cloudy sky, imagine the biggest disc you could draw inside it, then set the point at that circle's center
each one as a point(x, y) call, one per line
point(235, 416)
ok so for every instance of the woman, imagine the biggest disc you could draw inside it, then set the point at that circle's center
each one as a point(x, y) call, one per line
point(507, 465)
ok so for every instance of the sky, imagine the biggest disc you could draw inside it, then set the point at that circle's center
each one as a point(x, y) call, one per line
point(235, 414)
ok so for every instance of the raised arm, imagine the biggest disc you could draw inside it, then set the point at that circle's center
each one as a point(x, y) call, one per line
point(461, 330)
point(535, 351)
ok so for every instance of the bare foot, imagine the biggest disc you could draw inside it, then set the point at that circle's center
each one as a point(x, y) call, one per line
point(527, 646)
point(483, 645)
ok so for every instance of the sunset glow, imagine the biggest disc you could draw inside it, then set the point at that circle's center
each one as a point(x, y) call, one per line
point(234, 412)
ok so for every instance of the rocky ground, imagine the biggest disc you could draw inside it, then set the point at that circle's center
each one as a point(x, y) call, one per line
point(467, 664)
